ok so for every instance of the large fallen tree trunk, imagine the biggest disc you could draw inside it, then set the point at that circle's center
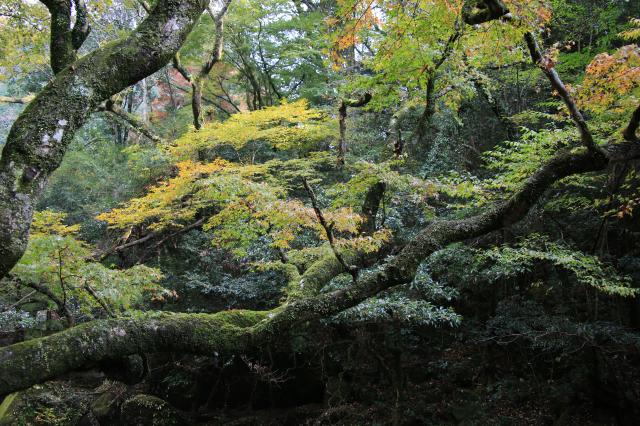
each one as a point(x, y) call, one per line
point(34, 361)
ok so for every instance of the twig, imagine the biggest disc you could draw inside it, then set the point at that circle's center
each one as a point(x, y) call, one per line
point(99, 299)
point(15, 305)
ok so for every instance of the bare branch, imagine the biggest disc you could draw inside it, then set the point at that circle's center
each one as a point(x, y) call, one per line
point(328, 228)
point(184, 72)
point(148, 237)
point(137, 124)
point(145, 5)
point(98, 299)
point(556, 82)
point(61, 305)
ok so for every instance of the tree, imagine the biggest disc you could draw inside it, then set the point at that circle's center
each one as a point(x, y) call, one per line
point(238, 331)
point(39, 138)
point(215, 57)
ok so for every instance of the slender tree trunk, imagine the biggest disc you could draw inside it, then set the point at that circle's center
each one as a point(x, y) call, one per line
point(342, 144)
point(196, 103)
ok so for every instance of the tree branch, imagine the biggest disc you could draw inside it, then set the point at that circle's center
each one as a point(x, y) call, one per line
point(81, 28)
point(342, 118)
point(137, 124)
point(328, 228)
point(103, 255)
point(99, 299)
point(556, 82)
point(62, 51)
point(216, 54)
point(62, 307)
point(475, 12)
point(177, 64)
point(13, 100)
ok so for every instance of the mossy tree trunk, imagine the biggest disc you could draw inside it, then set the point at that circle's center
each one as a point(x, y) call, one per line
point(40, 136)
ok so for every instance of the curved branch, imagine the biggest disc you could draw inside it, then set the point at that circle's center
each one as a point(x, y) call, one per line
point(556, 82)
point(95, 341)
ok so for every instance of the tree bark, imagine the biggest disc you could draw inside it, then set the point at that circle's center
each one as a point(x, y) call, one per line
point(40, 136)
point(370, 207)
point(631, 129)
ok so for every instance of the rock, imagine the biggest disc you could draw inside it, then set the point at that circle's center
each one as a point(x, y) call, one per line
point(105, 407)
point(148, 410)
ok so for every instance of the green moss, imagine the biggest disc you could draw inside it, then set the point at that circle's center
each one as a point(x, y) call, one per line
point(241, 318)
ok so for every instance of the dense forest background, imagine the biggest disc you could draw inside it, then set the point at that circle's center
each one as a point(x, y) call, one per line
point(276, 170)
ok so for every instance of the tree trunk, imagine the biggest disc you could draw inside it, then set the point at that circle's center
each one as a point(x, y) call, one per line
point(40, 136)
point(196, 103)
point(342, 144)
